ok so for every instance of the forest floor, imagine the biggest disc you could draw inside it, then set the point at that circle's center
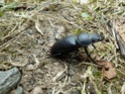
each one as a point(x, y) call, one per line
point(28, 31)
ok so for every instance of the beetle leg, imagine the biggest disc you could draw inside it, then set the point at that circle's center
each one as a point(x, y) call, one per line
point(89, 55)
point(93, 46)
point(57, 39)
point(55, 55)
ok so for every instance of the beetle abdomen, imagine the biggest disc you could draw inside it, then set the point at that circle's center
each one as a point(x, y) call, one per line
point(65, 45)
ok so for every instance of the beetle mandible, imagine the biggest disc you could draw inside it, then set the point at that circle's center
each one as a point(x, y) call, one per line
point(73, 43)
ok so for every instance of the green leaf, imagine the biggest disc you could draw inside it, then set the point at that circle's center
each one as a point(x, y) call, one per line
point(12, 5)
point(75, 1)
point(1, 13)
point(85, 15)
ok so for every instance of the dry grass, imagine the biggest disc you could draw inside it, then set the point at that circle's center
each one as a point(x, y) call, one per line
point(26, 37)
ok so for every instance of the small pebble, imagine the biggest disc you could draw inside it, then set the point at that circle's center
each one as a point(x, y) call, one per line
point(19, 90)
point(30, 32)
point(30, 67)
point(37, 90)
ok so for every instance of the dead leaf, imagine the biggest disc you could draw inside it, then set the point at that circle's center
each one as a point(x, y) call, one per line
point(101, 63)
point(109, 71)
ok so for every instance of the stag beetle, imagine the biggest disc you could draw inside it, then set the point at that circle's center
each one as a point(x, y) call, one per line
point(73, 43)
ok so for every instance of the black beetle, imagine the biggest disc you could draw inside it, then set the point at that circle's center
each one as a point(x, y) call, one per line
point(73, 43)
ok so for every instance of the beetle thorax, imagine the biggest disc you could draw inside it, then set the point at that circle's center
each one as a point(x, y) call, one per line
point(84, 39)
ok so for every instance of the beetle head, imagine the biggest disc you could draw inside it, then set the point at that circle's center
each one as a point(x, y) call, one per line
point(96, 37)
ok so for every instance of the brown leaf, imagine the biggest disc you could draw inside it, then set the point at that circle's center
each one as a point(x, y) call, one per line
point(109, 71)
point(101, 63)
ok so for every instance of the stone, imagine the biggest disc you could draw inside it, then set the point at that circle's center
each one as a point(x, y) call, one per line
point(9, 80)
point(19, 90)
